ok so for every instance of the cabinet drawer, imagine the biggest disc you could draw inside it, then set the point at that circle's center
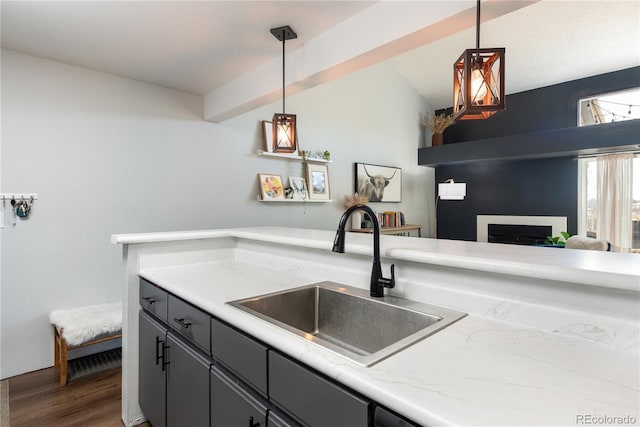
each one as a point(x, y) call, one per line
point(190, 322)
point(246, 357)
point(312, 398)
point(233, 404)
point(153, 299)
point(278, 419)
point(384, 418)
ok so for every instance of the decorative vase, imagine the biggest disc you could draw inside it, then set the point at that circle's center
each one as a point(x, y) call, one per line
point(436, 139)
point(356, 220)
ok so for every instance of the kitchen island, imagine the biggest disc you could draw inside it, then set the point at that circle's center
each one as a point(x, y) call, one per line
point(551, 336)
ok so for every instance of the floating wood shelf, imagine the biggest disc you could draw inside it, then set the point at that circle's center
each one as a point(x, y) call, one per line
point(291, 157)
point(294, 201)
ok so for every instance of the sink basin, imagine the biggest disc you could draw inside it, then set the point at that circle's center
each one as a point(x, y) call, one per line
point(347, 321)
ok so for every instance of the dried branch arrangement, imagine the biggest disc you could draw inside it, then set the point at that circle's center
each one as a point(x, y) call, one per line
point(355, 199)
point(438, 123)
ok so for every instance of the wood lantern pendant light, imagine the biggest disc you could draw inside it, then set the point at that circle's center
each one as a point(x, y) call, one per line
point(284, 125)
point(478, 81)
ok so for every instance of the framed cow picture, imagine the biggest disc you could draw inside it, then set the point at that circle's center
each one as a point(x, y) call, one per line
point(378, 183)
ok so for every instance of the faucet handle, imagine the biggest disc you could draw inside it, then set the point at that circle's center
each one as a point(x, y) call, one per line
point(389, 283)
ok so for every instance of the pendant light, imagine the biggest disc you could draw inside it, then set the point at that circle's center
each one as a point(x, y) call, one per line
point(284, 125)
point(478, 81)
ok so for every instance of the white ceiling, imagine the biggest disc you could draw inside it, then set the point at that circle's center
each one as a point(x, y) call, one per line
point(194, 46)
point(548, 42)
point(202, 46)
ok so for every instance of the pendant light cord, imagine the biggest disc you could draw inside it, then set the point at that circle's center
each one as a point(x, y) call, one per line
point(478, 26)
point(283, 69)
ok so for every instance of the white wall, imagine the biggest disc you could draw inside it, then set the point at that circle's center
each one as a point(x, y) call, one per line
point(110, 155)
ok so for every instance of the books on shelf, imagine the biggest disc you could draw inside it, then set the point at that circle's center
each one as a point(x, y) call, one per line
point(391, 219)
point(387, 219)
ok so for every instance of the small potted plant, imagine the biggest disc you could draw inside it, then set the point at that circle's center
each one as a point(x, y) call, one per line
point(437, 124)
point(356, 217)
point(557, 241)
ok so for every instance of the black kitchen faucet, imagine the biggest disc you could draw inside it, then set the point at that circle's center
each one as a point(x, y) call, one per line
point(378, 282)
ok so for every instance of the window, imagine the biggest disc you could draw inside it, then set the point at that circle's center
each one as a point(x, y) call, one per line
point(588, 206)
point(614, 214)
point(610, 107)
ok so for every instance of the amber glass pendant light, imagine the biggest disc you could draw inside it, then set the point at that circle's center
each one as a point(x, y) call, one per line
point(285, 138)
point(478, 81)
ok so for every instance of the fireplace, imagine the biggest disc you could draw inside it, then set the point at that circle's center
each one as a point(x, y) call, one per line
point(518, 234)
point(519, 230)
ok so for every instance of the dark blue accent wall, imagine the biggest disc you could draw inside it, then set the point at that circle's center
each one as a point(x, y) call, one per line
point(541, 186)
point(546, 108)
point(524, 187)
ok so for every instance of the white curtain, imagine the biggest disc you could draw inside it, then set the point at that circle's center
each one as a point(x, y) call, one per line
point(613, 211)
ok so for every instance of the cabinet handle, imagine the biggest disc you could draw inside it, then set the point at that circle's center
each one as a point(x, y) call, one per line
point(252, 424)
point(182, 322)
point(149, 300)
point(159, 355)
point(164, 356)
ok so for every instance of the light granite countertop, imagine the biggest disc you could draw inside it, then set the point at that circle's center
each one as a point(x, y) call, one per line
point(604, 269)
point(477, 371)
point(552, 335)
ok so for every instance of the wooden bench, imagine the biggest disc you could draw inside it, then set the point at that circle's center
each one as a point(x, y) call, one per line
point(82, 327)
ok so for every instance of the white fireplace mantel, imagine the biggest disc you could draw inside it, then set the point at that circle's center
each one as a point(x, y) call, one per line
point(557, 223)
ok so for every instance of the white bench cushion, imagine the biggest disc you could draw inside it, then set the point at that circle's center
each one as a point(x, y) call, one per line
point(85, 324)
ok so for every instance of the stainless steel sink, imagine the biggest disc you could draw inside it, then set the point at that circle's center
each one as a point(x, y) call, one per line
point(348, 321)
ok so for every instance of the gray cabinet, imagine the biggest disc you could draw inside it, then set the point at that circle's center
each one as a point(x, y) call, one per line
point(187, 385)
point(190, 322)
point(173, 378)
point(233, 404)
point(151, 369)
point(240, 353)
point(312, 398)
point(278, 419)
point(196, 370)
point(153, 299)
point(385, 418)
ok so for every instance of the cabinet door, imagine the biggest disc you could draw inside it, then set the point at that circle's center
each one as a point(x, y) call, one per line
point(312, 398)
point(151, 369)
point(233, 404)
point(187, 385)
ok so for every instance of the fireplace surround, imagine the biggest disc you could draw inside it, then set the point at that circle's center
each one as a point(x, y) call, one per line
point(556, 224)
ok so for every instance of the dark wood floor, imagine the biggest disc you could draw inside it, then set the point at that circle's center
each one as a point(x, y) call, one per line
point(36, 399)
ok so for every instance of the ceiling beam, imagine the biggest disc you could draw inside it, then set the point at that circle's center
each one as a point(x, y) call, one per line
point(384, 30)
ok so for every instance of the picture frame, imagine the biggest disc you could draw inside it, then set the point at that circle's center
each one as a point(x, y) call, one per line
point(267, 136)
point(299, 188)
point(378, 183)
point(318, 182)
point(271, 187)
